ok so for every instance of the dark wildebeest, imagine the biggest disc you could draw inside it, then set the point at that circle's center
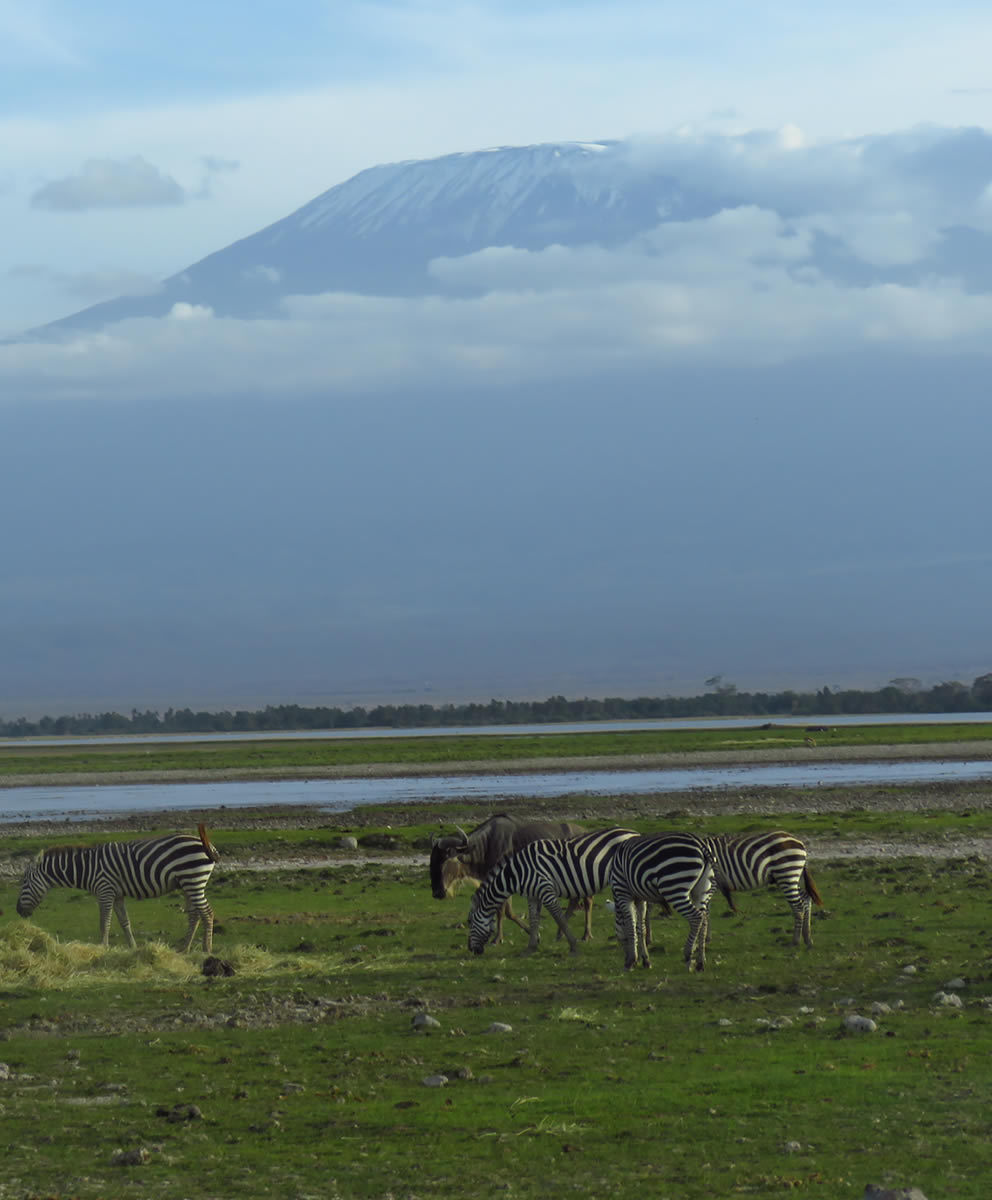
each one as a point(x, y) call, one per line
point(485, 847)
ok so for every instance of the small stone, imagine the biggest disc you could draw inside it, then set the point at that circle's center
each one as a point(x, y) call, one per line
point(792, 1147)
point(948, 999)
point(956, 985)
point(348, 843)
point(880, 1008)
point(435, 1081)
point(873, 1192)
point(422, 1020)
point(909, 969)
point(130, 1158)
point(857, 1024)
point(499, 1027)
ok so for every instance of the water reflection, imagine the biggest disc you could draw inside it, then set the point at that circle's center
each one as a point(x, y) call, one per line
point(342, 795)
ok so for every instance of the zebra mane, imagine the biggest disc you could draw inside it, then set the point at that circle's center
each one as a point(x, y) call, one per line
point(67, 848)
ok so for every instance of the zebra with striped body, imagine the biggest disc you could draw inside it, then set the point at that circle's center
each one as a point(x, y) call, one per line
point(136, 870)
point(673, 868)
point(544, 870)
point(744, 862)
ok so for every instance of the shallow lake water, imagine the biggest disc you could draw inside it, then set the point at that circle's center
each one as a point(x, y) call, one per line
point(343, 795)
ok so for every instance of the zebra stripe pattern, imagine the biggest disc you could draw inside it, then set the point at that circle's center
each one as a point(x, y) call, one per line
point(748, 861)
point(138, 870)
point(673, 868)
point(543, 871)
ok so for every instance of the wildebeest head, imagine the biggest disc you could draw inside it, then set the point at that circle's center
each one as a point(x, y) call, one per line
point(443, 849)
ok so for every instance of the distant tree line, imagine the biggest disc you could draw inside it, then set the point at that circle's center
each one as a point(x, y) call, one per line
point(722, 699)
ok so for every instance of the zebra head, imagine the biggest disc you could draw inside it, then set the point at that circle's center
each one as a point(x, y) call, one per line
point(34, 885)
point(481, 922)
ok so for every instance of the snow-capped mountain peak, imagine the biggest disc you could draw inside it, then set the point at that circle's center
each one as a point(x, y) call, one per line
point(377, 232)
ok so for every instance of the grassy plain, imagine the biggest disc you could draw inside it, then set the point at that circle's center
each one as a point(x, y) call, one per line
point(357, 754)
point(302, 1075)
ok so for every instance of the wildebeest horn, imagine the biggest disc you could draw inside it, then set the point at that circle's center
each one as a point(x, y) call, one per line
point(464, 835)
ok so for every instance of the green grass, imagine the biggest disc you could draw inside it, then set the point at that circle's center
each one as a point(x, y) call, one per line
point(262, 756)
point(309, 1077)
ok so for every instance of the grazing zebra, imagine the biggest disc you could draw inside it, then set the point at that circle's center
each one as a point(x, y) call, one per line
point(746, 861)
point(575, 867)
point(674, 868)
point(138, 870)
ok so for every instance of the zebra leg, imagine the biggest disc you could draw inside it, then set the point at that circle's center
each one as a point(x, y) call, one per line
point(553, 907)
point(573, 904)
point(207, 914)
point(122, 918)
point(623, 922)
point(639, 912)
point(195, 910)
point(805, 924)
point(696, 941)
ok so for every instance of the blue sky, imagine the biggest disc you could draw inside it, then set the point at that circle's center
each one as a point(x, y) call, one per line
point(240, 115)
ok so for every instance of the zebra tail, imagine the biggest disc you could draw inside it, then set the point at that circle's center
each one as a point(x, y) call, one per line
point(728, 895)
point(814, 895)
point(210, 848)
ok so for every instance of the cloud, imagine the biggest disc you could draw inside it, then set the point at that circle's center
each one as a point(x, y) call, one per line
point(734, 293)
point(110, 183)
point(868, 245)
point(218, 165)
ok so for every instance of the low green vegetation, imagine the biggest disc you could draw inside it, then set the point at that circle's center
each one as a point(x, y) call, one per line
point(303, 755)
point(302, 1074)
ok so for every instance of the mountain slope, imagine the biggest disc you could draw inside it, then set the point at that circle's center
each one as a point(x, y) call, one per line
point(377, 232)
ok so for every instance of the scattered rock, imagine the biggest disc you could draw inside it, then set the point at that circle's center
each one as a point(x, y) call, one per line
point(792, 1147)
point(180, 1112)
point(458, 1072)
point(948, 1000)
point(857, 1024)
point(873, 1192)
point(499, 1027)
point(435, 1081)
point(4, 1070)
point(348, 843)
point(956, 985)
point(773, 1022)
point(130, 1158)
point(422, 1020)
